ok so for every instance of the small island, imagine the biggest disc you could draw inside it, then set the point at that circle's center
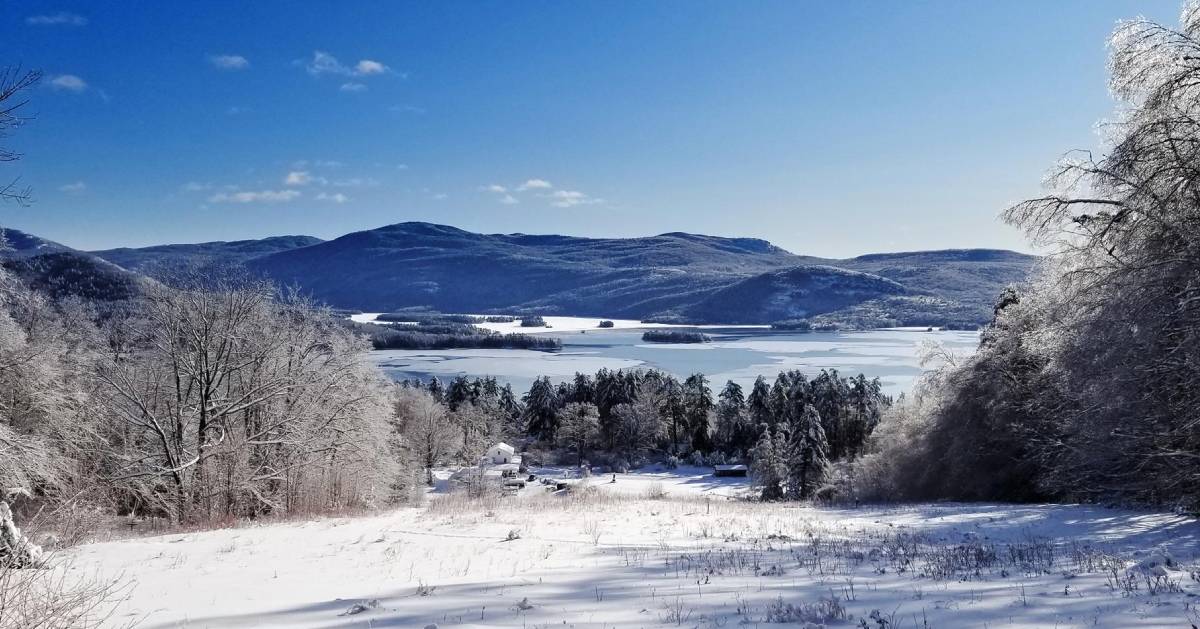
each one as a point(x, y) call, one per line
point(675, 336)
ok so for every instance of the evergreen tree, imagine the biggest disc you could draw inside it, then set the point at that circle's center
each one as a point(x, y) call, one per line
point(458, 393)
point(435, 388)
point(672, 408)
point(807, 455)
point(582, 389)
point(778, 402)
point(698, 410)
point(758, 404)
point(769, 467)
point(734, 430)
point(541, 409)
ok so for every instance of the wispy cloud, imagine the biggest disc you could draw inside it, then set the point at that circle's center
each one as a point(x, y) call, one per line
point(571, 198)
point(69, 83)
point(502, 193)
point(62, 18)
point(336, 197)
point(299, 178)
point(353, 86)
point(260, 196)
point(325, 63)
point(229, 62)
point(534, 184)
point(196, 186)
point(73, 188)
point(367, 67)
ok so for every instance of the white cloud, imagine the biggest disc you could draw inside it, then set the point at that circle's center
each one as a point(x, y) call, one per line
point(262, 196)
point(497, 188)
point(62, 18)
point(441, 196)
point(68, 82)
point(534, 184)
point(73, 188)
point(236, 110)
point(353, 87)
point(229, 62)
point(407, 109)
point(571, 198)
point(401, 166)
point(509, 199)
point(367, 67)
point(297, 178)
point(325, 63)
point(196, 186)
point(336, 197)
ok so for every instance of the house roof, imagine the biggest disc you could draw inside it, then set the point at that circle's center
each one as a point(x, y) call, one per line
point(504, 446)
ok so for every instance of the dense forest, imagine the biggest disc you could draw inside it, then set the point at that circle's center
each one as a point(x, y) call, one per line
point(792, 430)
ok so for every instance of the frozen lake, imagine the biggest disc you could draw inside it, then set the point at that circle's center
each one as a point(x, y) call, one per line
point(738, 354)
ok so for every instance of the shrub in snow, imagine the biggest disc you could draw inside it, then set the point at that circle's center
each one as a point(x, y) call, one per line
point(810, 614)
point(672, 462)
point(697, 459)
point(15, 549)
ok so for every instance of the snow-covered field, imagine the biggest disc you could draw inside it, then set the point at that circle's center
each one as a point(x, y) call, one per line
point(667, 549)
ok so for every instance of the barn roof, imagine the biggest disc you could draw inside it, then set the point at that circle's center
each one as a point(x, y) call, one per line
point(504, 446)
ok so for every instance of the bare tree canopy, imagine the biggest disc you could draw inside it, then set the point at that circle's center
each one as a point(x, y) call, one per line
point(14, 82)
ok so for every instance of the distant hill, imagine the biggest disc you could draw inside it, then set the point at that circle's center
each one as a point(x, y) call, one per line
point(62, 271)
point(675, 276)
point(801, 292)
point(158, 257)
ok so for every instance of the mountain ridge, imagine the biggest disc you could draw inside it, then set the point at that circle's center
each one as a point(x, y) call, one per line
point(676, 276)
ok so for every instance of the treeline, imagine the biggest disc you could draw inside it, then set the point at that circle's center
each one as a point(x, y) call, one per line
point(428, 317)
point(792, 428)
point(449, 335)
point(674, 336)
point(1084, 385)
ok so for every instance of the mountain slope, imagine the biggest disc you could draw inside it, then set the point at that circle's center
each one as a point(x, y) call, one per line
point(148, 259)
point(797, 293)
point(62, 271)
point(454, 270)
point(679, 276)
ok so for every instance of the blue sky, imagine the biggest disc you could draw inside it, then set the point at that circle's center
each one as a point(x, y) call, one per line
point(831, 129)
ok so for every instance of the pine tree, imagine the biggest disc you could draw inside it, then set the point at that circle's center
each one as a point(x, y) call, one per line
point(541, 409)
point(435, 388)
point(758, 404)
point(733, 432)
point(807, 455)
point(698, 405)
point(769, 466)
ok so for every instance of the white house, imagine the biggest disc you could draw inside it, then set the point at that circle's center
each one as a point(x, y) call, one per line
point(500, 454)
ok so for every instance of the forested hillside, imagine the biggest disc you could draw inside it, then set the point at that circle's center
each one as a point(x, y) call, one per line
point(1084, 385)
point(671, 277)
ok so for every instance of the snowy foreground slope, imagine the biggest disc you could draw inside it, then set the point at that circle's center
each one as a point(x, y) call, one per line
point(667, 550)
